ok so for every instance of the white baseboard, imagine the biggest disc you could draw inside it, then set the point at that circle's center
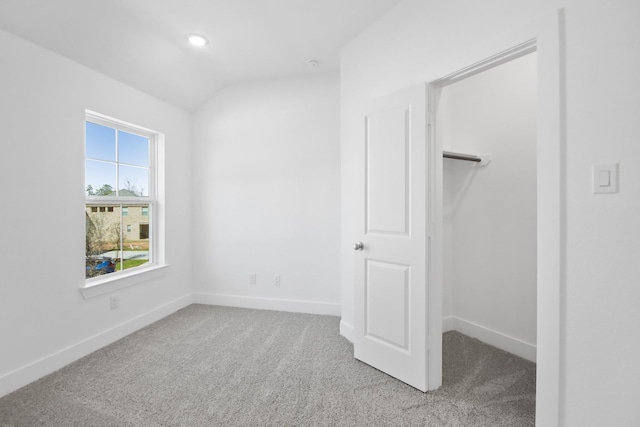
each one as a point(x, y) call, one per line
point(491, 337)
point(22, 376)
point(447, 324)
point(296, 306)
point(346, 330)
point(494, 338)
point(33, 371)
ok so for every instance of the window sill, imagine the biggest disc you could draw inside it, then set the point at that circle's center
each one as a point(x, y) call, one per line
point(109, 283)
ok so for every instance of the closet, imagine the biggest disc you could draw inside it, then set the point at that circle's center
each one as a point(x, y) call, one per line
point(487, 126)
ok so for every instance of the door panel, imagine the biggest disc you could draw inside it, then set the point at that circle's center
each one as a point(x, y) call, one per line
point(391, 330)
point(387, 177)
point(387, 305)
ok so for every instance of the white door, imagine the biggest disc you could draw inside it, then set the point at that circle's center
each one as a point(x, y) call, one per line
point(392, 251)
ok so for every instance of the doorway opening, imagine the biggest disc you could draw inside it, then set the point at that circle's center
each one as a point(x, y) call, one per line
point(488, 119)
point(489, 211)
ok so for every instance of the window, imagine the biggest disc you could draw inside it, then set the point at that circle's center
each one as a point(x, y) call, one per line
point(144, 231)
point(120, 181)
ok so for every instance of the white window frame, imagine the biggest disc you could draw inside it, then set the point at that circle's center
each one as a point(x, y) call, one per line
point(103, 284)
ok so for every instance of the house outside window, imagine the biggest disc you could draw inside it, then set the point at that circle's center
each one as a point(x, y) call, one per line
point(120, 181)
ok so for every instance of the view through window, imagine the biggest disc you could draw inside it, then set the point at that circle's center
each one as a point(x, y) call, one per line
point(120, 196)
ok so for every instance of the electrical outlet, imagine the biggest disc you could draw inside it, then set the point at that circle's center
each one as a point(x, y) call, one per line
point(253, 278)
point(276, 280)
point(114, 302)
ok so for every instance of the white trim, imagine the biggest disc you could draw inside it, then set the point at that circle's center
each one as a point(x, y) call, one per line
point(492, 337)
point(510, 54)
point(551, 252)
point(155, 200)
point(33, 371)
point(435, 248)
point(296, 306)
point(447, 324)
point(346, 330)
point(546, 36)
point(124, 125)
point(114, 281)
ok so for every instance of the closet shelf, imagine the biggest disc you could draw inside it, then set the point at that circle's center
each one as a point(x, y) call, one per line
point(483, 160)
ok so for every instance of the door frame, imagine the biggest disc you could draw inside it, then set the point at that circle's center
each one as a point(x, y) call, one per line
point(544, 36)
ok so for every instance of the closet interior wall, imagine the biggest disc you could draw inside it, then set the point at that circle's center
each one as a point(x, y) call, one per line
point(489, 212)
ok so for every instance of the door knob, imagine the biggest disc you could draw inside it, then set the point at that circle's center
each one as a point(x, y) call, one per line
point(358, 246)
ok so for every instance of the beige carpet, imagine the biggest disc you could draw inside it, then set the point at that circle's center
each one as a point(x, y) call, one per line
point(219, 366)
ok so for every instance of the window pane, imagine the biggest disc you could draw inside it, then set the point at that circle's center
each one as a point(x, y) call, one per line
point(102, 240)
point(100, 178)
point(134, 181)
point(100, 142)
point(135, 238)
point(133, 149)
point(118, 232)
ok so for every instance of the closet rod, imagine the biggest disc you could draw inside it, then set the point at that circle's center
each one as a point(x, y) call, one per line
point(459, 156)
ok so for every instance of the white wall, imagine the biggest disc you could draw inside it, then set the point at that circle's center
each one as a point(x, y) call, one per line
point(422, 40)
point(266, 170)
point(489, 214)
point(44, 320)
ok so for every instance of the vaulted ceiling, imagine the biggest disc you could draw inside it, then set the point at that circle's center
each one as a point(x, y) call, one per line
point(143, 42)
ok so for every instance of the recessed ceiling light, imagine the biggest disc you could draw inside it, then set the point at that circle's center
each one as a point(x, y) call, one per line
point(197, 40)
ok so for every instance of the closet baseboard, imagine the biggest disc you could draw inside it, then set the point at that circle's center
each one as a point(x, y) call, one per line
point(447, 324)
point(491, 337)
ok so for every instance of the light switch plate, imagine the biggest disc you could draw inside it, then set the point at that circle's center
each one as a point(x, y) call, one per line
point(605, 178)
